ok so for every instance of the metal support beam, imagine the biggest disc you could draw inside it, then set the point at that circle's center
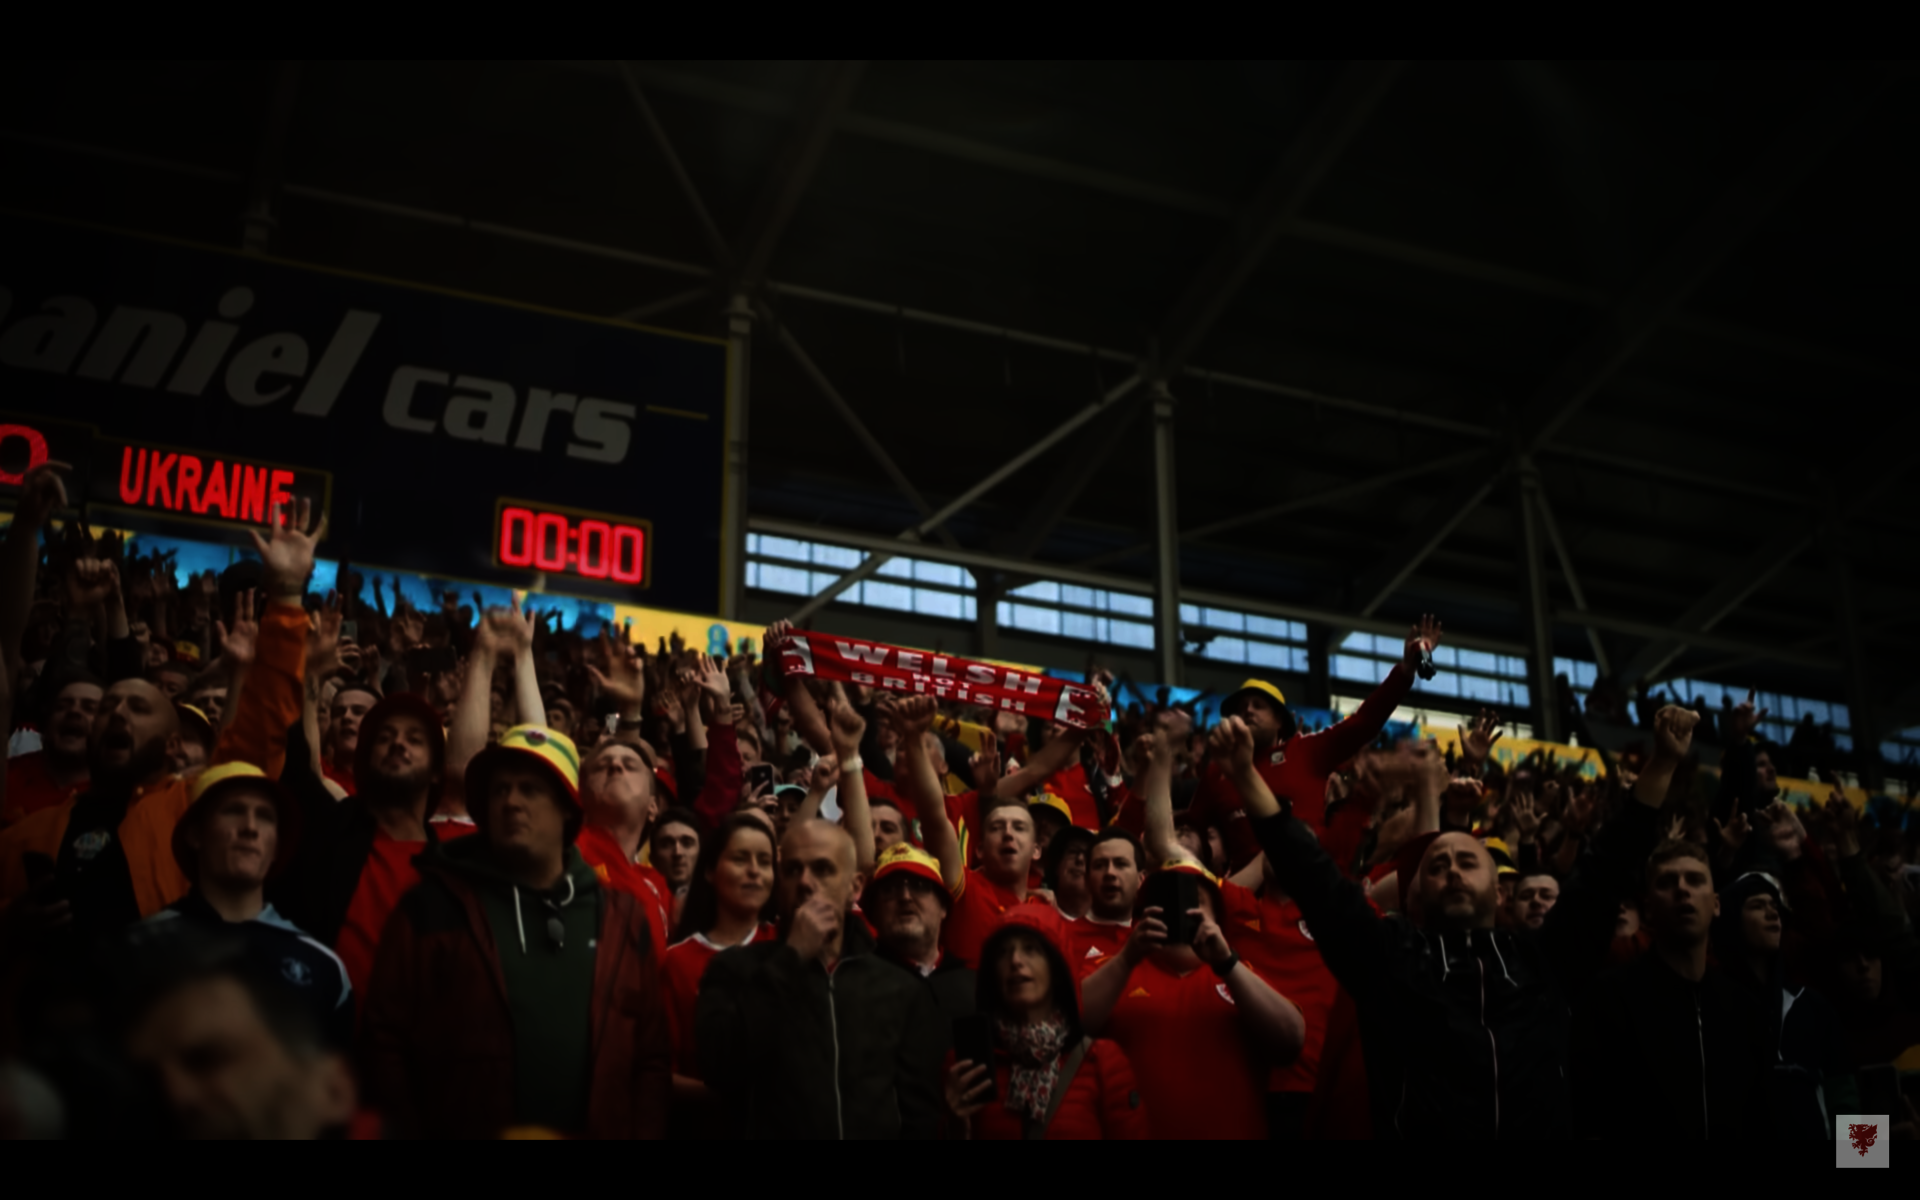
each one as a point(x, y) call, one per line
point(1327, 132)
point(1706, 641)
point(799, 158)
point(269, 160)
point(1766, 561)
point(1048, 511)
point(1374, 585)
point(1536, 607)
point(1345, 491)
point(716, 242)
point(845, 411)
point(1552, 528)
point(986, 614)
point(1714, 235)
point(1862, 720)
point(733, 504)
point(918, 532)
point(980, 561)
point(1166, 567)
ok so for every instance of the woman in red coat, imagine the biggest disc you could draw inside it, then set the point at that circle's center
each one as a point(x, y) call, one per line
point(1049, 1080)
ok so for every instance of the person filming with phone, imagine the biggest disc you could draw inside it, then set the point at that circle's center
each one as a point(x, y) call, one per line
point(1200, 1041)
point(1024, 1068)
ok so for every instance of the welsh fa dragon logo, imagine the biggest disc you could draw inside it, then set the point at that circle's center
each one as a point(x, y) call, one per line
point(1863, 1136)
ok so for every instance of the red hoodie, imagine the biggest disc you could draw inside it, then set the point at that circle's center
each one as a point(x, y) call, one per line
point(1101, 1101)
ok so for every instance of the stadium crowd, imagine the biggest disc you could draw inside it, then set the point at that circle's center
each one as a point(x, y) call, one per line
point(279, 862)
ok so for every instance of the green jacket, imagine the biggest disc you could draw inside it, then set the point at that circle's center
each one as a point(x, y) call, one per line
point(796, 1052)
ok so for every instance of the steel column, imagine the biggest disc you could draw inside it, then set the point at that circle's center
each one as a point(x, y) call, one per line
point(1536, 609)
point(1166, 532)
point(257, 222)
point(1860, 707)
point(733, 503)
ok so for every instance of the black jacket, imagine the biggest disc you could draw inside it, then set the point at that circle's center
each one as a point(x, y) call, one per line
point(795, 1052)
point(1659, 1056)
point(335, 838)
point(1465, 1033)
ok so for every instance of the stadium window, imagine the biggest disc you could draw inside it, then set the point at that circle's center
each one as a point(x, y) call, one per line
point(1082, 614)
point(1223, 635)
point(1495, 679)
point(930, 589)
point(1784, 712)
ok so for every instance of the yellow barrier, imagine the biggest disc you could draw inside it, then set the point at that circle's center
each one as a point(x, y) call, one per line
point(1508, 751)
point(649, 625)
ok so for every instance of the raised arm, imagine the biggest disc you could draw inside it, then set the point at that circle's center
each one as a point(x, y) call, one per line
point(42, 493)
point(720, 790)
point(1156, 788)
point(624, 680)
point(472, 722)
point(1041, 766)
point(806, 714)
point(1578, 928)
point(911, 715)
point(1101, 991)
point(1271, 1020)
point(1672, 739)
point(848, 727)
point(1354, 734)
point(270, 705)
point(516, 634)
point(1232, 742)
point(820, 780)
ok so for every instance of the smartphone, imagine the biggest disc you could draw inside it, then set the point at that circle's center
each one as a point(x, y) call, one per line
point(350, 630)
point(759, 775)
point(1182, 925)
point(973, 1042)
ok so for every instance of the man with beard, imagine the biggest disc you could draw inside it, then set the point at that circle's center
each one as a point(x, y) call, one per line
point(58, 769)
point(1465, 1024)
point(105, 858)
point(356, 856)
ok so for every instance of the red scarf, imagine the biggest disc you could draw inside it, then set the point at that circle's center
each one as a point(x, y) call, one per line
point(942, 676)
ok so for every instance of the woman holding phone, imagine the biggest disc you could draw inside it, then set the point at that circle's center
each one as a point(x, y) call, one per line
point(1047, 1080)
point(726, 901)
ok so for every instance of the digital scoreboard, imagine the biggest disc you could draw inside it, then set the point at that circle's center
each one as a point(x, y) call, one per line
point(192, 389)
point(561, 541)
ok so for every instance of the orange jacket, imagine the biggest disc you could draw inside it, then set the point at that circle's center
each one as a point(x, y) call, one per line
point(267, 707)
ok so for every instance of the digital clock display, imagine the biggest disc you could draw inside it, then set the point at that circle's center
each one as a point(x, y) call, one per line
point(564, 541)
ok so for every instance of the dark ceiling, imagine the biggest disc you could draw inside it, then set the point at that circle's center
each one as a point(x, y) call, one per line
point(1685, 288)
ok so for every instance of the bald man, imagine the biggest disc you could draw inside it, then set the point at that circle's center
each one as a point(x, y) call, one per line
point(813, 1035)
point(101, 860)
point(1465, 1025)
